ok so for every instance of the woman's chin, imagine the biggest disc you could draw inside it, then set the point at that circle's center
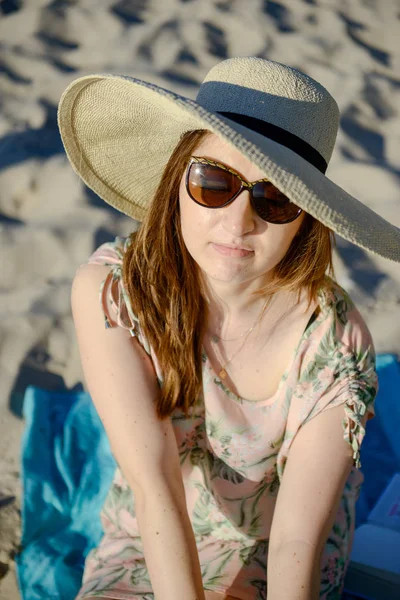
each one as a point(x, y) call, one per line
point(228, 275)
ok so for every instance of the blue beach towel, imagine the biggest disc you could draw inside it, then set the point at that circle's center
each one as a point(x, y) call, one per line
point(67, 468)
point(380, 450)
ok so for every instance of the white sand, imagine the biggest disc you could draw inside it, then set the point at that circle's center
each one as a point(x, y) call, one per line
point(49, 225)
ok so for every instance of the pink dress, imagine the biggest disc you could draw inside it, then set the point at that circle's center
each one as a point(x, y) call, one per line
point(233, 453)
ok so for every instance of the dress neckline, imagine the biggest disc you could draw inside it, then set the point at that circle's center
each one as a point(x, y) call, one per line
point(309, 328)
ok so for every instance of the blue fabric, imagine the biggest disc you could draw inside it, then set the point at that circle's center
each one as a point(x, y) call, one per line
point(380, 450)
point(67, 468)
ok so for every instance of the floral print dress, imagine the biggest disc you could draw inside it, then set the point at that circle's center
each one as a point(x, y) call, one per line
point(233, 453)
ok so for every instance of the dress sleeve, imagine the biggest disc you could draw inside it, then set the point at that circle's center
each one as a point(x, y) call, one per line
point(114, 297)
point(353, 384)
point(338, 369)
point(113, 294)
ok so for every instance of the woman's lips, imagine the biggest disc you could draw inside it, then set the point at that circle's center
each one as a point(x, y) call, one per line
point(233, 252)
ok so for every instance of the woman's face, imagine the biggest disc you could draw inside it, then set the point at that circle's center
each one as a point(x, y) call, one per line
point(232, 244)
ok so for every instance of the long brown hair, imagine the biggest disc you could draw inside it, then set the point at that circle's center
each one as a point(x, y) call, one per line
point(165, 288)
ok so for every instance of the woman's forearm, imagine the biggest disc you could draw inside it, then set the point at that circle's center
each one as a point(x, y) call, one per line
point(169, 546)
point(293, 572)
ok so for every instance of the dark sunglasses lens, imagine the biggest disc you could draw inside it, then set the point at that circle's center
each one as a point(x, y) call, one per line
point(210, 185)
point(273, 206)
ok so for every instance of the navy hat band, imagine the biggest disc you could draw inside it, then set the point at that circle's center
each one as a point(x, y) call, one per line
point(281, 136)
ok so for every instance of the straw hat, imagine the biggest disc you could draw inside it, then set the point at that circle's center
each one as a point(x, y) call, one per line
point(119, 132)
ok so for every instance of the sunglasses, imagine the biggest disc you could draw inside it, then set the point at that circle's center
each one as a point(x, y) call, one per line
point(214, 185)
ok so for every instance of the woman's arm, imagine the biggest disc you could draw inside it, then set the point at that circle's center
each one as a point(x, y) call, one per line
point(318, 465)
point(123, 385)
point(294, 572)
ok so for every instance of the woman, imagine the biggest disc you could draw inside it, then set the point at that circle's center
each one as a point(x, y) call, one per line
point(233, 376)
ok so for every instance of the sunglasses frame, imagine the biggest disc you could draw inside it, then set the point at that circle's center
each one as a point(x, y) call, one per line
point(244, 185)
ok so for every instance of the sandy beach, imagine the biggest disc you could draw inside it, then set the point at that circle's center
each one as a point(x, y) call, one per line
point(50, 222)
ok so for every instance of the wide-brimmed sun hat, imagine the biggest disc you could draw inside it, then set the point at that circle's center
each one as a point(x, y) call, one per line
point(119, 132)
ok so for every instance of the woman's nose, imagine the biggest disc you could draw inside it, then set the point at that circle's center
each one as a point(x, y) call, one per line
point(239, 217)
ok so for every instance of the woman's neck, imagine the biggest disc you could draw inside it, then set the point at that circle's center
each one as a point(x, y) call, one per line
point(232, 309)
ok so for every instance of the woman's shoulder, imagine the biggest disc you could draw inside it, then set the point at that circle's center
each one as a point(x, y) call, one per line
point(112, 291)
point(110, 253)
point(342, 323)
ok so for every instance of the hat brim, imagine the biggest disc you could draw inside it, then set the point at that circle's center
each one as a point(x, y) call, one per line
point(119, 132)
